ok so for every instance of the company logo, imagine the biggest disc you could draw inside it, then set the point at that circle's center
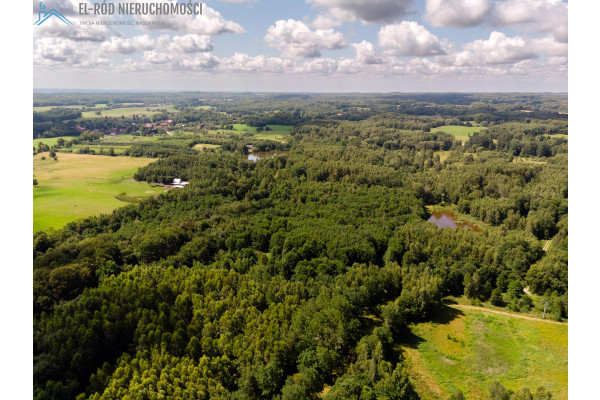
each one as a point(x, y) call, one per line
point(43, 16)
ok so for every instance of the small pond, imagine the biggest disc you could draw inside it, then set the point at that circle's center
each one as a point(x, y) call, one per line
point(259, 155)
point(446, 219)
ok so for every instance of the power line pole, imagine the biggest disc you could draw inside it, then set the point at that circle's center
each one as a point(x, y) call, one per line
point(545, 305)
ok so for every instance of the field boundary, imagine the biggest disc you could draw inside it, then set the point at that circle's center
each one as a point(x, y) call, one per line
point(506, 313)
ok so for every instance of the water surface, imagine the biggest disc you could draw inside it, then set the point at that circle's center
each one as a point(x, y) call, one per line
point(446, 219)
point(258, 155)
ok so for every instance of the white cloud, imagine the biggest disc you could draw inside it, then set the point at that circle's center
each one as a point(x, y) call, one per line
point(244, 63)
point(128, 45)
point(538, 16)
point(546, 16)
point(57, 29)
point(317, 66)
point(410, 39)
point(176, 61)
point(366, 53)
point(210, 22)
point(56, 51)
point(296, 40)
point(498, 49)
point(191, 43)
point(458, 13)
point(366, 11)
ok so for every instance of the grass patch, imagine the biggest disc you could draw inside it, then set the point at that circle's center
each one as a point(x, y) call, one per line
point(444, 154)
point(79, 185)
point(125, 112)
point(202, 146)
point(468, 350)
point(528, 160)
point(461, 133)
point(51, 141)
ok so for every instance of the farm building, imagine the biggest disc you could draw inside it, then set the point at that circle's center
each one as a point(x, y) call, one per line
point(178, 183)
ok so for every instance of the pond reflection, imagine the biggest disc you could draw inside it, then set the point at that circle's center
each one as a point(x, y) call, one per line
point(446, 219)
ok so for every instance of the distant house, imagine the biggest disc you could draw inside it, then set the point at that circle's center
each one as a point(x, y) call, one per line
point(179, 184)
point(148, 125)
point(250, 146)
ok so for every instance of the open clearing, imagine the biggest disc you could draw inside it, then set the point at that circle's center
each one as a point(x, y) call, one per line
point(202, 146)
point(468, 349)
point(125, 112)
point(461, 133)
point(51, 141)
point(79, 185)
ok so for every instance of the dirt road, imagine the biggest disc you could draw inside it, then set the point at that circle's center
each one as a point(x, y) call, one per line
point(506, 313)
point(547, 245)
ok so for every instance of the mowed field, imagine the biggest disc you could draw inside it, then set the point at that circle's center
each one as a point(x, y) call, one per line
point(125, 112)
point(278, 133)
point(468, 350)
point(51, 141)
point(461, 133)
point(80, 185)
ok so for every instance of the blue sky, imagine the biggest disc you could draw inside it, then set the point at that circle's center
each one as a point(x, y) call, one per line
point(312, 45)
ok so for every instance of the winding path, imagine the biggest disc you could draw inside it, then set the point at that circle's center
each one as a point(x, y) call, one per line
point(507, 314)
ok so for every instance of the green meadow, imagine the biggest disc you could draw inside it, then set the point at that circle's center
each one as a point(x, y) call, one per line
point(468, 350)
point(79, 185)
point(277, 133)
point(461, 133)
point(51, 141)
point(125, 112)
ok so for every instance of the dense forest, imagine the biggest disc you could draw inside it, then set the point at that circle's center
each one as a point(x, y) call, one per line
point(274, 279)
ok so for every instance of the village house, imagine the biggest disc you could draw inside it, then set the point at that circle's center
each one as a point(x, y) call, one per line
point(178, 183)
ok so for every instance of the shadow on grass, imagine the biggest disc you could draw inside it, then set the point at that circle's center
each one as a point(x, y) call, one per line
point(443, 316)
point(446, 314)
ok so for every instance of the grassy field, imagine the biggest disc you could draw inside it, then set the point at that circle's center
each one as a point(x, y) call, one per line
point(79, 185)
point(51, 141)
point(468, 350)
point(48, 108)
point(202, 146)
point(125, 111)
point(461, 133)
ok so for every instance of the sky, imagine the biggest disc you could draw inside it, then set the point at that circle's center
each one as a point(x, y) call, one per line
point(309, 46)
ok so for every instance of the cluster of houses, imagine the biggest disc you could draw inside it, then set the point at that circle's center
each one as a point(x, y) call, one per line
point(116, 131)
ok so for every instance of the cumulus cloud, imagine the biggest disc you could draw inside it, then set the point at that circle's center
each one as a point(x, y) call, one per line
point(191, 43)
point(457, 13)
point(366, 53)
point(54, 51)
point(317, 66)
point(176, 61)
point(294, 39)
point(547, 16)
point(498, 49)
point(539, 16)
point(57, 29)
point(244, 63)
point(210, 22)
point(128, 45)
point(410, 39)
point(366, 11)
